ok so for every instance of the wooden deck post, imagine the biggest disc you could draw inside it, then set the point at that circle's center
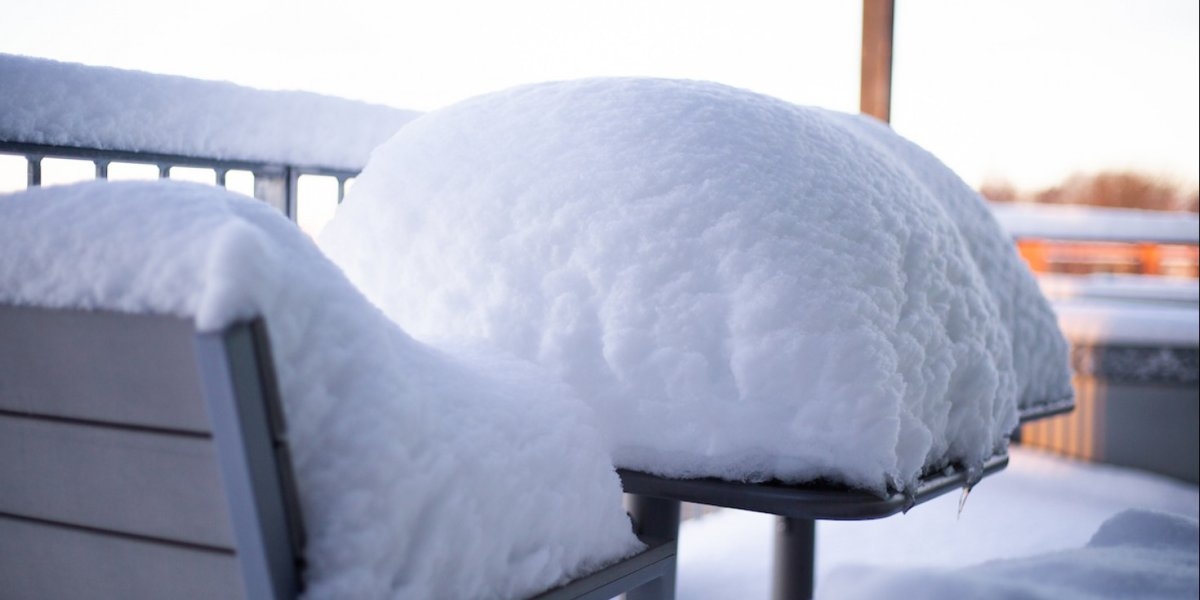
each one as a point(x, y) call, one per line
point(875, 93)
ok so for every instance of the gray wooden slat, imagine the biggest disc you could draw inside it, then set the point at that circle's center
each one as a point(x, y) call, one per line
point(39, 561)
point(105, 366)
point(151, 484)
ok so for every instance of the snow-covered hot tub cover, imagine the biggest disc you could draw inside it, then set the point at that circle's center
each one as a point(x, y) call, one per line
point(740, 287)
point(421, 473)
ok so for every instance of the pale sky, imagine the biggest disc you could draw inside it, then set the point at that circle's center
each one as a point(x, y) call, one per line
point(1024, 89)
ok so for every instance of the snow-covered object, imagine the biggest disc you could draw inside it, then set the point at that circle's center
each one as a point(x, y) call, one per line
point(1043, 503)
point(48, 102)
point(1058, 222)
point(1132, 290)
point(741, 287)
point(1039, 352)
point(422, 474)
point(1089, 322)
point(1135, 554)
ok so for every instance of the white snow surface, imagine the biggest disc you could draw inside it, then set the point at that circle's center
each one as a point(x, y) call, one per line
point(1059, 222)
point(49, 102)
point(1135, 554)
point(741, 287)
point(1041, 508)
point(422, 474)
point(1100, 322)
point(1135, 290)
point(1139, 310)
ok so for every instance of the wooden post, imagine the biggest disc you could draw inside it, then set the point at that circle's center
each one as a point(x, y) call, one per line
point(875, 93)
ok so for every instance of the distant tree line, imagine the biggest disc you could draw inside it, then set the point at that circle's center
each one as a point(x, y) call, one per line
point(1121, 189)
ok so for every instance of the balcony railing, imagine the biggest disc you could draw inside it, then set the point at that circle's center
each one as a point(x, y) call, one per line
point(273, 183)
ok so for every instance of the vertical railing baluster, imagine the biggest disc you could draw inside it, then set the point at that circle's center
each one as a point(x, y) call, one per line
point(33, 172)
point(293, 184)
point(276, 185)
point(656, 519)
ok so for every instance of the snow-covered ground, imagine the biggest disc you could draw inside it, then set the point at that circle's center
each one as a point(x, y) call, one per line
point(1040, 504)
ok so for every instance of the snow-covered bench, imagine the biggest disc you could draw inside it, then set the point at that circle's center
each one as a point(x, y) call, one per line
point(144, 460)
point(141, 460)
point(191, 495)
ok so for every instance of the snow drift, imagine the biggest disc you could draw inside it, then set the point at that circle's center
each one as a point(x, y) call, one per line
point(740, 287)
point(421, 474)
point(1135, 554)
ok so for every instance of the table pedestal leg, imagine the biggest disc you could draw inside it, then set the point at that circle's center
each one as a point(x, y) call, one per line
point(655, 518)
point(795, 551)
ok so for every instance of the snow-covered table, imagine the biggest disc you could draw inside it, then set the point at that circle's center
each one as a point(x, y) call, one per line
point(655, 507)
point(739, 288)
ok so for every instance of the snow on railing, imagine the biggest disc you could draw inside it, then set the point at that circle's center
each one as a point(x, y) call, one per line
point(1123, 284)
point(1097, 224)
point(1087, 239)
point(168, 125)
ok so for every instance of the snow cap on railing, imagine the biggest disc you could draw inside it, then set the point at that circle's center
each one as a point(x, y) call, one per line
point(64, 104)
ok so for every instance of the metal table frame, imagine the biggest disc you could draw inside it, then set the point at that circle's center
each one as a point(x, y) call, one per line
point(655, 506)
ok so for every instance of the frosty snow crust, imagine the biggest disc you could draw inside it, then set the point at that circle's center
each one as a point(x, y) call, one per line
point(421, 474)
point(740, 287)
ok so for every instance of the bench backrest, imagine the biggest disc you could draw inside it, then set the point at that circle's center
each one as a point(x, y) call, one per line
point(139, 459)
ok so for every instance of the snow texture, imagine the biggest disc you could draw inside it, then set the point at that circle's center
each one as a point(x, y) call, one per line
point(48, 102)
point(741, 288)
point(1135, 554)
point(422, 474)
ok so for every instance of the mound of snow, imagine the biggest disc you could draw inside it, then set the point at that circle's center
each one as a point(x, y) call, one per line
point(49, 102)
point(1135, 554)
point(742, 288)
point(421, 474)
